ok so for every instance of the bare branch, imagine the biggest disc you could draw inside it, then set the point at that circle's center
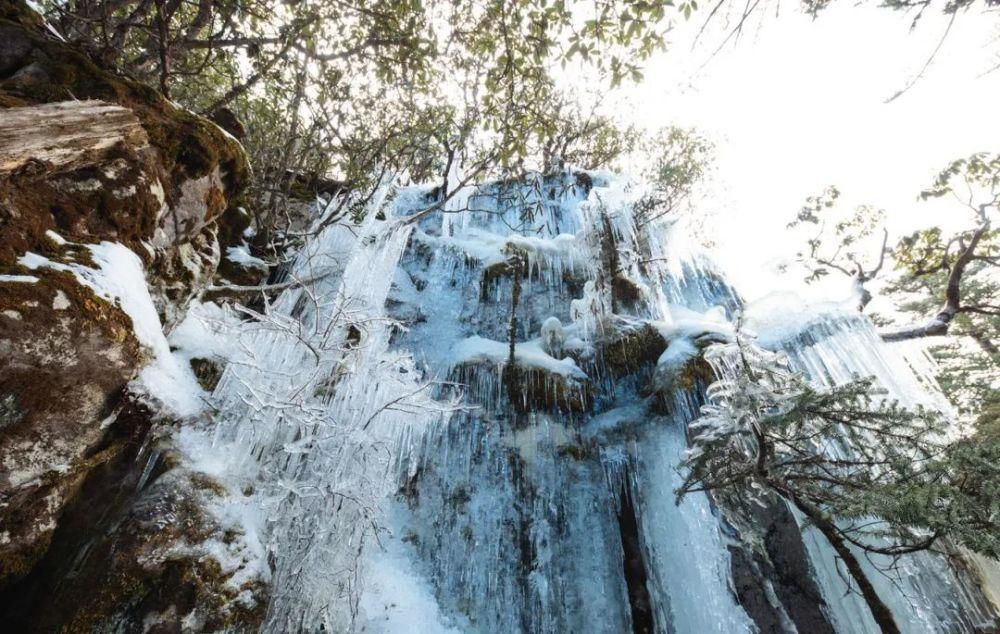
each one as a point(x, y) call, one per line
point(940, 323)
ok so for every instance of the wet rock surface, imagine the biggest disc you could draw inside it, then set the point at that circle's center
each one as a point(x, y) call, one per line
point(774, 581)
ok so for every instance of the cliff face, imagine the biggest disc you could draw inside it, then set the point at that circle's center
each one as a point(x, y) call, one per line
point(106, 190)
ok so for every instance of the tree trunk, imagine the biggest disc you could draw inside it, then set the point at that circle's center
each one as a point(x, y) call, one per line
point(881, 613)
point(863, 295)
point(510, 373)
point(515, 297)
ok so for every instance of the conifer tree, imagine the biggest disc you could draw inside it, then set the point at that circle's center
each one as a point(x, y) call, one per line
point(868, 473)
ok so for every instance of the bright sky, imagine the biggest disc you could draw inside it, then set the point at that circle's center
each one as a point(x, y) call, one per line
point(799, 104)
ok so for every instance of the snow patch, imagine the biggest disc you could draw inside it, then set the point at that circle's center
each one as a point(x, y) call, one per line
point(528, 354)
point(687, 334)
point(60, 301)
point(396, 598)
point(241, 255)
point(120, 279)
point(208, 331)
point(553, 337)
point(617, 420)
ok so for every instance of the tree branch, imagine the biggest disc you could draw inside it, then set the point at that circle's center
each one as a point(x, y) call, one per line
point(940, 323)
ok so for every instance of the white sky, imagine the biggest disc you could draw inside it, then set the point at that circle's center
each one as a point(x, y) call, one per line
point(799, 104)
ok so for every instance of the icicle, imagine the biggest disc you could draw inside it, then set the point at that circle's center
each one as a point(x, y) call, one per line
point(516, 512)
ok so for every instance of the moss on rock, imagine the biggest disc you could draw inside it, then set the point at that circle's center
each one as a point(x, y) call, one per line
point(160, 191)
point(155, 575)
point(627, 347)
point(190, 145)
point(696, 373)
point(532, 389)
point(67, 352)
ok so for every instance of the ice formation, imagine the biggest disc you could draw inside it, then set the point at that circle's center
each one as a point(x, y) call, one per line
point(417, 470)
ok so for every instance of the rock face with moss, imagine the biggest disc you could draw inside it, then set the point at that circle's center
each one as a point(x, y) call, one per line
point(68, 354)
point(87, 156)
point(162, 563)
point(124, 164)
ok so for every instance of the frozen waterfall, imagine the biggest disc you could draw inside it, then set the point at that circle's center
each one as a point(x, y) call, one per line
point(419, 470)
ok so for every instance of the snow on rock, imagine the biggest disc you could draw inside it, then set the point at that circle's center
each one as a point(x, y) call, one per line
point(560, 252)
point(55, 237)
point(240, 254)
point(779, 317)
point(672, 361)
point(60, 301)
point(208, 331)
point(244, 559)
point(120, 279)
point(690, 323)
point(553, 337)
point(687, 334)
point(528, 354)
point(617, 420)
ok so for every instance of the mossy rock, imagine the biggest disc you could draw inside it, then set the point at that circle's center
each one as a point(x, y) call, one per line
point(231, 226)
point(492, 274)
point(188, 143)
point(115, 198)
point(68, 355)
point(626, 291)
point(629, 347)
point(144, 574)
point(531, 389)
point(20, 12)
point(112, 200)
point(85, 311)
point(697, 373)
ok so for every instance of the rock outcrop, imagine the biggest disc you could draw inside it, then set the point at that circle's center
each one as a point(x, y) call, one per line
point(88, 156)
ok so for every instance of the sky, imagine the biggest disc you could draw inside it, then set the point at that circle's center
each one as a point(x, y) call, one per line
point(798, 104)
